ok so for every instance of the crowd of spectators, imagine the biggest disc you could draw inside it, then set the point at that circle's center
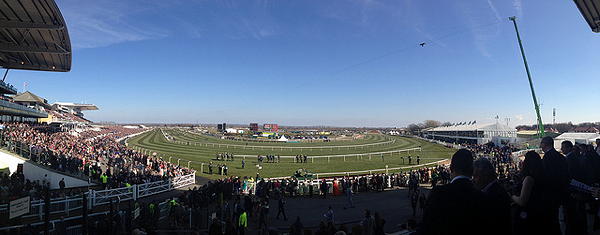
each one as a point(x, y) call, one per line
point(15, 186)
point(239, 201)
point(527, 201)
point(100, 157)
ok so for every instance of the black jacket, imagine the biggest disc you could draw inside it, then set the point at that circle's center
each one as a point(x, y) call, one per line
point(497, 206)
point(455, 208)
point(556, 178)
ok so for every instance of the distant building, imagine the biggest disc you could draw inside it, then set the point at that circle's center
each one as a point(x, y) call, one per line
point(234, 131)
point(32, 101)
point(497, 133)
point(221, 127)
point(271, 127)
point(73, 108)
point(576, 138)
point(253, 127)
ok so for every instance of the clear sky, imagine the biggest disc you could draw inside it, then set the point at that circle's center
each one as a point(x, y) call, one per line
point(342, 63)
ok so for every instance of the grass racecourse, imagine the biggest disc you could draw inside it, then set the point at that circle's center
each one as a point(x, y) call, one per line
point(374, 151)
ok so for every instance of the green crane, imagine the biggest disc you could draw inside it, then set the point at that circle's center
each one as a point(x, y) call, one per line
point(535, 103)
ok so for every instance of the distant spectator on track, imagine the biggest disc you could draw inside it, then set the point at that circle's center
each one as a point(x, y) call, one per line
point(324, 188)
point(297, 227)
point(329, 215)
point(598, 146)
point(61, 184)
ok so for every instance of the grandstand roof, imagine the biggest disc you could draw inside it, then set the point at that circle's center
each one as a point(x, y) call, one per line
point(473, 127)
point(30, 97)
point(33, 36)
point(77, 106)
point(590, 10)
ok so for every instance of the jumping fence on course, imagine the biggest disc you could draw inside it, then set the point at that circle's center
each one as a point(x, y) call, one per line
point(252, 147)
point(360, 156)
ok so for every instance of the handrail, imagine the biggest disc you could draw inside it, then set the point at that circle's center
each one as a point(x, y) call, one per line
point(19, 107)
point(8, 86)
point(100, 197)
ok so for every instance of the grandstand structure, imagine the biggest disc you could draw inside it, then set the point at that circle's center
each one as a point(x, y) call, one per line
point(74, 108)
point(474, 133)
point(11, 110)
point(34, 36)
point(55, 113)
point(49, 161)
point(590, 10)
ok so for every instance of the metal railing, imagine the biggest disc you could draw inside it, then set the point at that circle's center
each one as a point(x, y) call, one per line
point(8, 87)
point(21, 109)
point(102, 197)
point(119, 194)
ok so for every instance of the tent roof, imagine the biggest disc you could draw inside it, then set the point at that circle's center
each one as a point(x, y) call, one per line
point(577, 135)
point(476, 126)
point(33, 36)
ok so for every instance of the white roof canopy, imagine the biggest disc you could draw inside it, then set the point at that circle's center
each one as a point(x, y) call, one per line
point(474, 127)
point(577, 136)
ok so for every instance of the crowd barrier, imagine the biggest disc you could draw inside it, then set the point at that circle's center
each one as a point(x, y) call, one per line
point(102, 197)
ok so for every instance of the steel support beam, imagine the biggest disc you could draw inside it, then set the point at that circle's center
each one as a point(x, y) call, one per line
point(29, 49)
point(29, 25)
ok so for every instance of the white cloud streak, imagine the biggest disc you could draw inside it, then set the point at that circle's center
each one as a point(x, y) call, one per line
point(518, 5)
point(493, 8)
point(101, 23)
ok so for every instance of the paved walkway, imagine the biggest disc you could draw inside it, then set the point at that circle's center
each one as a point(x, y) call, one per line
point(392, 205)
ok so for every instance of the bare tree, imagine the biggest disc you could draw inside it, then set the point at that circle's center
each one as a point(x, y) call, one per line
point(431, 123)
point(413, 128)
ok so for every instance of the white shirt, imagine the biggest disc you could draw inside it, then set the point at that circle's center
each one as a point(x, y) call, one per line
point(460, 177)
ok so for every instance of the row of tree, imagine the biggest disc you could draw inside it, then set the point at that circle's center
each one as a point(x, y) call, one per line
point(415, 128)
point(563, 127)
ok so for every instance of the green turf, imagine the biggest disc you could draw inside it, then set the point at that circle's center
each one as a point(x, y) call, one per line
point(154, 141)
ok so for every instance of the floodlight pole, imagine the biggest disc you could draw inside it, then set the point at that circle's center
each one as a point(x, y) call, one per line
point(535, 103)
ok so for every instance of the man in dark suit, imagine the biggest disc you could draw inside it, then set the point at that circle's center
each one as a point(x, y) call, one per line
point(497, 201)
point(455, 208)
point(574, 206)
point(556, 182)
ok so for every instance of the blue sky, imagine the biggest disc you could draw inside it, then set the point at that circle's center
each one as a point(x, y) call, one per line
point(342, 63)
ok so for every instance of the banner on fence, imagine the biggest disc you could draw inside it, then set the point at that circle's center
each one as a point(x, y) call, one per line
point(19, 207)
